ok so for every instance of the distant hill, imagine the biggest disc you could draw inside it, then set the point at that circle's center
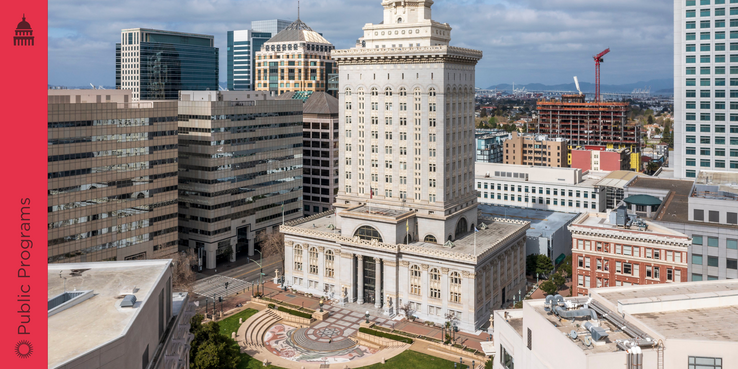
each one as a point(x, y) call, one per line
point(658, 86)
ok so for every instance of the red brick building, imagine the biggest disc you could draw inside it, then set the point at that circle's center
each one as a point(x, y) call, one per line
point(605, 254)
point(601, 160)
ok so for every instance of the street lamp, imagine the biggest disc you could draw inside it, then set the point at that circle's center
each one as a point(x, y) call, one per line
point(367, 317)
point(261, 269)
point(321, 304)
point(474, 364)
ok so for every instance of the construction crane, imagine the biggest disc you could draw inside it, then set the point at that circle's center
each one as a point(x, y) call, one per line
point(598, 59)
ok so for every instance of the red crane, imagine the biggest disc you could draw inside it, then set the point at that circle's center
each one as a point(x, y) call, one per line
point(598, 59)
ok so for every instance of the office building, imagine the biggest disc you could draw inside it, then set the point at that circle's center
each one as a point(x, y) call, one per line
point(403, 229)
point(590, 124)
point(295, 59)
point(112, 176)
point(489, 145)
point(242, 48)
point(156, 65)
point(705, 133)
point(320, 149)
point(618, 249)
point(556, 189)
point(548, 233)
point(271, 26)
point(600, 160)
point(117, 315)
point(240, 170)
point(675, 326)
point(536, 150)
point(704, 209)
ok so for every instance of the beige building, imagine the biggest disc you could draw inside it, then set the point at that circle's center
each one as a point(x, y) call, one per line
point(295, 59)
point(403, 232)
point(240, 170)
point(536, 150)
point(675, 326)
point(120, 315)
point(112, 176)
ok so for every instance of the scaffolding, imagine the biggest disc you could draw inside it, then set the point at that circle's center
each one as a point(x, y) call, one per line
point(588, 123)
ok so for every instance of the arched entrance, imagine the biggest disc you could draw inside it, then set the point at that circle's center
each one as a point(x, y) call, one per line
point(461, 227)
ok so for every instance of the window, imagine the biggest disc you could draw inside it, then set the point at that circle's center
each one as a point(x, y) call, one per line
point(455, 284)
point(697, 362)
point(507, 360)
point(435, 283)
point(530, 339)
point(368, 233)
point(329, 259)
point(415, 280)
point(627, 268)
point(712, 261)
point(298, 257)
point(313, 258)
point(696, 259)
point(712, 241)
point(731, 244)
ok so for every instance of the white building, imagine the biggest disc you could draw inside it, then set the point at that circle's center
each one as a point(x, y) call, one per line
point(675, 326)
point(117, 314)
point(406, 207)
point(557, 189)
point(705, 127)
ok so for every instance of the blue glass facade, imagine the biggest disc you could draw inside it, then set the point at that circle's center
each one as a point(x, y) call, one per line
point(168, 68)
point(241, 58)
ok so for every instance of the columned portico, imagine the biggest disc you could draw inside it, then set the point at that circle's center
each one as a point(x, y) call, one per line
point(360, 279)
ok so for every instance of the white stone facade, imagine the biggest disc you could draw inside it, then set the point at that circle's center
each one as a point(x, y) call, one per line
point(403, 232)
point(433, 280)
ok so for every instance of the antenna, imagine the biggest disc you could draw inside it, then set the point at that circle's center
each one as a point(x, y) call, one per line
point(576, 82)
point(298, 9)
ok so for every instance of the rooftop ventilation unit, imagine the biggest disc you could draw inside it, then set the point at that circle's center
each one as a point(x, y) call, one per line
point(128, 301)
point(598, 333)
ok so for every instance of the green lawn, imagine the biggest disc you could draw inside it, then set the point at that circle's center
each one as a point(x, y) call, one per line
point(230, 324)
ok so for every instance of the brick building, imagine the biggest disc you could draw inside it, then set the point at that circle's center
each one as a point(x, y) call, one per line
point(639, 252)
point(536, 150)
point(600, 160)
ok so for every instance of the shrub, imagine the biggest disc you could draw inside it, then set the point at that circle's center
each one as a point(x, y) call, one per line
point(385, 335)
point(294, 312)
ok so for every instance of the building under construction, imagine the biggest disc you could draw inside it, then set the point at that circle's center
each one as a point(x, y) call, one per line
point(589, 123)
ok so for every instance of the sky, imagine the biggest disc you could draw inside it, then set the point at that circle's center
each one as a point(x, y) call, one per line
point(524, 41)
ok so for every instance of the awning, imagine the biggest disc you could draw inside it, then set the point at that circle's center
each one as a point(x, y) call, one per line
point(560, 259)
point(642, 200)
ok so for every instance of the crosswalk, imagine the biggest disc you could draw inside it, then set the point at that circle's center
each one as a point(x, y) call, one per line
point(215, 286)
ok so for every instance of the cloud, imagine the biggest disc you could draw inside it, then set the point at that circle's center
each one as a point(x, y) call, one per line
point(524, 41)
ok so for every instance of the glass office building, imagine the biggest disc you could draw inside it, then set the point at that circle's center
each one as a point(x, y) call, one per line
point(242, 46)
point(156, 65)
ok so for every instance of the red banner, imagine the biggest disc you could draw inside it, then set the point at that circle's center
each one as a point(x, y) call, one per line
point(23, 199)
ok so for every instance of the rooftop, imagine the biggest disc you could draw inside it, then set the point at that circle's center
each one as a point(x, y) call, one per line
point(716, 185)
point(99, 319)
point(653, 231)
point(465, 248)
point(618, 178)
point(298, 31)
point(704, 310)
point(543, 223)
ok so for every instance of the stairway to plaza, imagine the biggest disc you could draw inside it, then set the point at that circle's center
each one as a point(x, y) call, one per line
point(257, 325)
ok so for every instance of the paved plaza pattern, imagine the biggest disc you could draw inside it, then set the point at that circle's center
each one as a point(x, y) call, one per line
point(281, 340)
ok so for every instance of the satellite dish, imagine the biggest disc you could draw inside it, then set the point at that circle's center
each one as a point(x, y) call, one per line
point(587, 341)
point(573, 334)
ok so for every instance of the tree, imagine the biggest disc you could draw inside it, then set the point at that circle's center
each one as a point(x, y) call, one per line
point(183, 277)
point(406, 310)
point(530, 264)
point(650, 119)
point(493, 121)
point(273, 245)
point(558, 280)
point(543, 265)
point(566, 265)
point(548, 287)
point(209, 348)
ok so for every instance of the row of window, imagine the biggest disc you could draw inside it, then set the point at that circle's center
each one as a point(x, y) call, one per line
point(521, 188)
point(540, 200)
point(706, 151)
point(691, 13)
point(627, 250)
point(707, 163)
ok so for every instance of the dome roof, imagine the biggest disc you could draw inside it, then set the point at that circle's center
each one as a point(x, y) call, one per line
point(23, 24)
point(298, 31)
